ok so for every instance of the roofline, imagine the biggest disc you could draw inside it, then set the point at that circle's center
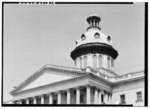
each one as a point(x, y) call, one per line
point(63, 81)
point(89, 75)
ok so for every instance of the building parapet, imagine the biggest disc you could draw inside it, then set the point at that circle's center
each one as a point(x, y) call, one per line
point(128, 76)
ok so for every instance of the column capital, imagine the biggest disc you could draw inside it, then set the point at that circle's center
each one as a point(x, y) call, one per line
point(102, 92)
point(79, 87)
point(88, 85)
point(42, 95)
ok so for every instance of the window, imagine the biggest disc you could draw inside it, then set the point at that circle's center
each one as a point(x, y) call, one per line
point(139, 96)
point(97, 36)
point(122, 99)
point(83, 37)
point(76, 42)
point(108, 38)
point(81, 62)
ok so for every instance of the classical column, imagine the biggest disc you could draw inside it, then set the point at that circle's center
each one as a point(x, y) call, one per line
point(106, 98)
point(59, 97)
point(109, 98)
point(27, 101)
point(42, 99)
point(82, 61)
point(68, 96)
point(77, 96)
point(97, 60)
point(78, 62)
point(34, 100)
point(100, 61)
point(50, 98)
point(88, 95)
point(95, 96)
point(19, 102)
point(99, 97)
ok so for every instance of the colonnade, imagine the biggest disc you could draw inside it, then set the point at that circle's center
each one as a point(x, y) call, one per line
point(99, 97)
point(94, 61)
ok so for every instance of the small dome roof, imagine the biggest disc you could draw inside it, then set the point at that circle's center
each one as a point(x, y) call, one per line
point(93, 35)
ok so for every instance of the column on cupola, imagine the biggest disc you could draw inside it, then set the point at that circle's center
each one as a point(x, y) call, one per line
point(109, 62)
point(77, 62)
point(85, 61)
point(93, 23)
point(100, 60)
point(104, 61)
point(97, 60)
point(89, 60)
point(82, 62)
point(112, 64)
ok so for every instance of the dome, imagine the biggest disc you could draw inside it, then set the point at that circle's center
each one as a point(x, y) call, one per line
point(94, 36)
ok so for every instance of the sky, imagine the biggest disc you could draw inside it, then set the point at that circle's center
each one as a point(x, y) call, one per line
point(36, 35)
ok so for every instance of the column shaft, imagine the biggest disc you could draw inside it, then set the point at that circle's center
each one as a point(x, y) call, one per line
point(99, 98)
point(42, 99)
point(27, 101)
point(88, 95)
point(106, 98)
point(50, 99)
point(59, 98)
point(77, 96)
point(34, 101)
point(96, 96)
point(68, 96)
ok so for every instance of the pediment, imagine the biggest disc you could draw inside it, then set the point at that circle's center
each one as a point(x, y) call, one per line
point(45, 77)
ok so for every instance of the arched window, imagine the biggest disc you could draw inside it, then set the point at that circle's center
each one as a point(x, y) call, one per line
point(108, 38)
point(97, 35)
point(76, 42)
point(83, 37)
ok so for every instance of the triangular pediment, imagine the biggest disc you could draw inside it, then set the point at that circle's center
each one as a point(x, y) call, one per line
point(46, 76)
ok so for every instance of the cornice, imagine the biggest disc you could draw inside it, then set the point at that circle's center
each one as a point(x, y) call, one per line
point(74, 71)
point(94, 48)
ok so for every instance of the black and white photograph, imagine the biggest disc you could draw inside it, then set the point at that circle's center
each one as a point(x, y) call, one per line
point(74, 54)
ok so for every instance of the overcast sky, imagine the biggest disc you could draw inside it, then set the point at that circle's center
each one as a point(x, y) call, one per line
point(36, 35)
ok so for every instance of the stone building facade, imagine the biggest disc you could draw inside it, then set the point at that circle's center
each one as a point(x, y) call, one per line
point(92, 81)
